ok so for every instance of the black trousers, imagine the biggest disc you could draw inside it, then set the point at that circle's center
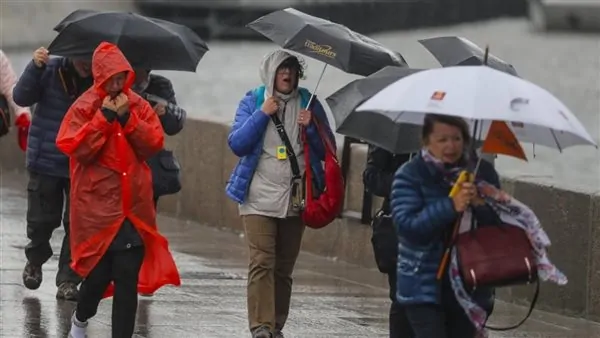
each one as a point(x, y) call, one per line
point(399, 324)
point(46, 198)
point(385, 249)
point(122, 268)
point(447, 320)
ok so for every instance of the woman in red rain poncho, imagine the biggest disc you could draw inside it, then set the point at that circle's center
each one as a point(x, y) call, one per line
point(108, 133)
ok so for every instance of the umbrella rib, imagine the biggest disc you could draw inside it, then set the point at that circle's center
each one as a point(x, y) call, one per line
point(397, 118)
point(556, 140)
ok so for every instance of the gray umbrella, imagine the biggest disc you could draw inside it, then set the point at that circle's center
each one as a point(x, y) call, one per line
point(458, 51)
point(326, 41)
point(372, 127)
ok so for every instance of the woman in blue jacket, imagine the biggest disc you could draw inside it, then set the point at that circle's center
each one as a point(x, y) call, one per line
point(424, 216)
point(261, 184)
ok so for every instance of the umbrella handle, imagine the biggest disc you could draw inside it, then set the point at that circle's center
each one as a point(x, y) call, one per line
point(316, 87)
point(464, 176)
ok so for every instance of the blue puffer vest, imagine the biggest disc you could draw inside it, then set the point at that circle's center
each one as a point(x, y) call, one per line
point(239, 181)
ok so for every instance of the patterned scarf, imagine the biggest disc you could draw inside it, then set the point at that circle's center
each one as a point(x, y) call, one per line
point(512, 212)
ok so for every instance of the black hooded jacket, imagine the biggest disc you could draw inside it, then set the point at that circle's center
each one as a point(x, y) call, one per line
point(380, 170)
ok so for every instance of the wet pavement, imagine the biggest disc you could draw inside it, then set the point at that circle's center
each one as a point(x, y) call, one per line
point(331, 298)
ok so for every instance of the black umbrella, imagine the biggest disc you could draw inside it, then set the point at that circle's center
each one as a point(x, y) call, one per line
point(326, 41)
point(146, 42)
point(74, 16)
point(458, 51)
point(374, 128)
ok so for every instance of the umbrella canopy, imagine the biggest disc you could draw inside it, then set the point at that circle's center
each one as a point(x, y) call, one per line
point(373, 128)
point(326, 41)
point(483, 94)
point(146, 42)
point(458, 51)
point(74, 16)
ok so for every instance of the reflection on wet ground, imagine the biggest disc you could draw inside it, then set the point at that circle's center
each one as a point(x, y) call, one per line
point(331, 299)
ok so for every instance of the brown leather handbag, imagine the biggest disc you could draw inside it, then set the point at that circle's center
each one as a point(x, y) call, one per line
point(497, 256)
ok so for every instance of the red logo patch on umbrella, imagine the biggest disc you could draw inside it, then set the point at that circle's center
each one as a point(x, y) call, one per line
point(438, 96)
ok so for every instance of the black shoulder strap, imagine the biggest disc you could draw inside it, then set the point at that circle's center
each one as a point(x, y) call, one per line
point(288, 146)
point(385, 206)
point(531, 307)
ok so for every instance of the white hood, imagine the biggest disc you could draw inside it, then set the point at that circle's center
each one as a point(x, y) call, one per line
point(268, 68)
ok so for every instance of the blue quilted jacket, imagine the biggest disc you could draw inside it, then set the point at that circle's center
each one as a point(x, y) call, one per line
point(423, 215)
point(246, 141)
point(52, 88)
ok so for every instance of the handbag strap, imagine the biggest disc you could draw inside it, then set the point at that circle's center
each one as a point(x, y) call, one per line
point(288, 146)
point(531, 307)
point(327, 142)
point(385, 206)
point(535, 294)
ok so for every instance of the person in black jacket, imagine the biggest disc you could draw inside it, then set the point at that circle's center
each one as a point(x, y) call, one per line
point(158, 91)
point(52, 84)
point(377, 178)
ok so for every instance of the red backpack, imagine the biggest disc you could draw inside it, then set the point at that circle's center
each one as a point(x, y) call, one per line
point(319, 212)
point(316, 212)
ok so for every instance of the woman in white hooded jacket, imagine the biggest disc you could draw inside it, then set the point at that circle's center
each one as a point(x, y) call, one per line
point(262, 183)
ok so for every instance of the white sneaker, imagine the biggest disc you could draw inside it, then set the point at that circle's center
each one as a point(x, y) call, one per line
point(77, 328)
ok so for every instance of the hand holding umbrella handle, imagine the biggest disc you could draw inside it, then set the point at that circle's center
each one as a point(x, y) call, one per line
point(462, 178)
point(40, 57)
